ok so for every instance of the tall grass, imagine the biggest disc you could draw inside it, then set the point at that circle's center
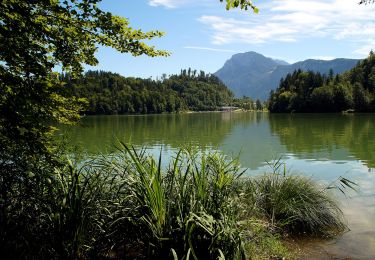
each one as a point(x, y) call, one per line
point(294, 204)
point(200, 206)
point(184, 210)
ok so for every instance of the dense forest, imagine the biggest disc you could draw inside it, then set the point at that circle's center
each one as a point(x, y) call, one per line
point(312, 92)
point(110, 93)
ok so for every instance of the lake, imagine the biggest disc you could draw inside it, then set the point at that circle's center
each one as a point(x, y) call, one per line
point(321, 146)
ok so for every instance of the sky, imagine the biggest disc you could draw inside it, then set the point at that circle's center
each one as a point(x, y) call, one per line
point(202, 34)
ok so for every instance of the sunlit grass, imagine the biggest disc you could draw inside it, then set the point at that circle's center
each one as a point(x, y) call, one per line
point(199, 206)
point(293, 204)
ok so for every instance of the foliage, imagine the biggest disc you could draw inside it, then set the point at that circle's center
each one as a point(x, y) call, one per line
point(129, 205)
point(37, 36)
point(109, 93)
point(247, 103)
point(295, 204)
point(313, 92)
point(243, 4)
point(189, 208)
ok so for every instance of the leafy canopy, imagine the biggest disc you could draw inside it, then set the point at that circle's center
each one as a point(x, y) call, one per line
point(38, 36)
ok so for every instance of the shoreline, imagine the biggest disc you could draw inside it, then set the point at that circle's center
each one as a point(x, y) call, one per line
point(180, 113)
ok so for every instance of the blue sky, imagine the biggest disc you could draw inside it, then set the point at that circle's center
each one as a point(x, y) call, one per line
point(202, 35)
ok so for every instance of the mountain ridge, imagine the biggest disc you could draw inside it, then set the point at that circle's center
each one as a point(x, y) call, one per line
point(255, 75)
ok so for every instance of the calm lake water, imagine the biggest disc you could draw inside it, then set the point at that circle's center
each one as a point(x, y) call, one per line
point(322, 146)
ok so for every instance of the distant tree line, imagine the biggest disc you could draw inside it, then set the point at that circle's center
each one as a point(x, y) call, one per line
point(312, 92)
point(247, 103)
point(111, 93)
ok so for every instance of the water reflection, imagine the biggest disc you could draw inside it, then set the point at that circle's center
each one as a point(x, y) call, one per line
point(328, 136)
point(99, 132)
point(256, 136)
point(323, 146)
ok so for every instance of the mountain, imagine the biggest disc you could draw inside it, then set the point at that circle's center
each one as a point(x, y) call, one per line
point(254, 75)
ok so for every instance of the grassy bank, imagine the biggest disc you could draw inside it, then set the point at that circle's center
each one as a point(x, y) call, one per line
point(199, 207)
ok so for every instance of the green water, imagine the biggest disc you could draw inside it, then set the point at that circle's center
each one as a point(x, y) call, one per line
point(322, 146)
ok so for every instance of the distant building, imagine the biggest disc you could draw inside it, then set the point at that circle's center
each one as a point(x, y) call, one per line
point(227, 109)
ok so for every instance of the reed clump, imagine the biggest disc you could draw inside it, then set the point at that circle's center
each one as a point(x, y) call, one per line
point(196, 206)
point(295, 205)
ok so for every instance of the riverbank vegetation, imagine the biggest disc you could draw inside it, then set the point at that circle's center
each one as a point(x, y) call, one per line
point(128, 205)
point(248, 104)
point(110, 93)
point(303, 91)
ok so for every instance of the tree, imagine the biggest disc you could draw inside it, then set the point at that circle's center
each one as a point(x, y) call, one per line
point(330, 74)
point(361, 98)
point(36, 36)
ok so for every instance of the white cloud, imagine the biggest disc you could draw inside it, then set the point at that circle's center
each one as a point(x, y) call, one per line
point(365, 47)
point(323, 57)
point(209, 49)
point(232, 30)
point(166, 3)
point(178, 3)
point(291, 20)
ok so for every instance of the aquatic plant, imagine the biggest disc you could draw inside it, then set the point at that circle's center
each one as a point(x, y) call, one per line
point(197, 205)
point(295, 204)
point(186, 209)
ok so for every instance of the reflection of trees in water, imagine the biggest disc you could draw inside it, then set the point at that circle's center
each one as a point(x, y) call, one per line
point(256, 136)
point(253, 142)
point(175, 130)
point(313, 133)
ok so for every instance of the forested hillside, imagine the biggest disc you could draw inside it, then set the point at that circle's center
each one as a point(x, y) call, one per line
point(110, 93)
point(312, 92)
